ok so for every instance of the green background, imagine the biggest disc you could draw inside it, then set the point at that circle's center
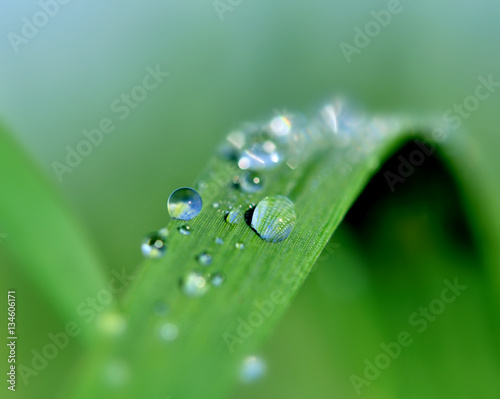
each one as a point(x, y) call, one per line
point(263, 56)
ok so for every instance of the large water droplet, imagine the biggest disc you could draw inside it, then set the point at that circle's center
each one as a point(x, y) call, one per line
point(252, 369)
point(204, 258)
point(274, 218)
point(154, 246)
point(251, 182)
point(184, 204)
point(235, 216)
point(195, 284)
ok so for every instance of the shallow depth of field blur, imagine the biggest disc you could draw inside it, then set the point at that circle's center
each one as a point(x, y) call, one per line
point(257, 57)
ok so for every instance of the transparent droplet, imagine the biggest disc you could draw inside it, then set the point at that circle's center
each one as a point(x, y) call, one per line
point(239, 245)
point(163, 232)
point(252, 369)
point(184, 204)
point(111, 323)
point(274, 218)
point(219, 241)
point(154, 246)
point(281, 125)
point(169, 331)
point(204, 258)
point(251, 182)
point(337, 117)
point(161, 308)
point(235, 216)
point(202, 186)
point(185, 230)
point(217, 279)
point(259, 155)
point(195, 284)
point(116, 373)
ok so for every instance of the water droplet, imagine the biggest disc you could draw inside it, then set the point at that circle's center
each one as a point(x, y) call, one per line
point(274, 218)
point(111, 323)
point(169, 332)
point(259, 156)
point(235, 216)
point(116, 373)
point(195, 284)
point(281, 125)
point(239, 245)
point(215, 205)
point(184, 204)
point(217, 279)
point(236, 138)
point(161, 308)
point(251, 182)
point(164, 232)
point(253, 368)
point(204, 258)
point(185, 230)
point(219, 241)
point(154, 246)
point(202, 186)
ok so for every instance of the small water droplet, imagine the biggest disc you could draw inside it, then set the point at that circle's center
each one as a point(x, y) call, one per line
point(217, 279)
point(161, 308)
point(252, 369)
point(116, 373)
point(154, 246)
point(185, 230)
point(163, 232)
point(219, 241)
point(281, 125)
point(111, 323)
point(239, 245)
point(251, 182)
point(184, 204)
point(274, 218)
point(261, 154)
point(169, 331)
point(204, 258)
point(215, 205)
point(235, 216)
point(194, 284)
point(236, 181)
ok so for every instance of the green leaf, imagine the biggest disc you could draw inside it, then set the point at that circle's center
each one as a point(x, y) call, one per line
point(218, 331)
point(45, 242)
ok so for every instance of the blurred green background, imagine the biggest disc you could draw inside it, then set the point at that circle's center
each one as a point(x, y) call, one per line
point(262, 56)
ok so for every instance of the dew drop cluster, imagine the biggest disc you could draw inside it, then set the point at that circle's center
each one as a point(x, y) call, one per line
point(253, 153)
